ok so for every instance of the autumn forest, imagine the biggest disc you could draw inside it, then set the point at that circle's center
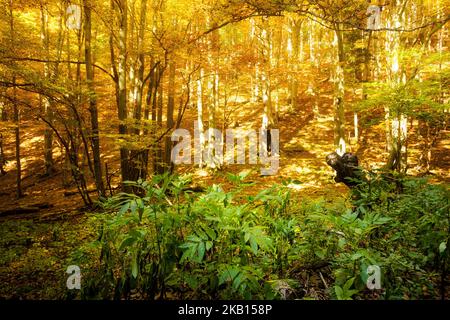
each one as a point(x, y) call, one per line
point(224, 149)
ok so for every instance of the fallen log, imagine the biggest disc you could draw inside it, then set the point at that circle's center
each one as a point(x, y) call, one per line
point(72, 193)
point(26, 209)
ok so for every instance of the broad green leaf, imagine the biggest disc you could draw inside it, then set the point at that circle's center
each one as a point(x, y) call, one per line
point(124, 208)
point(238, 280)
point(442, 247)
point(339, 292)
point(356, 256)
point(201, 251)
point(133, 206)
point(210, 232)
point(127, 243)
point(186, 254)
point(134, 266)
point(247, 236)
point(254, 244)
point(228, 275)
point(201, 234)
point(348, 284)
point(194, 238)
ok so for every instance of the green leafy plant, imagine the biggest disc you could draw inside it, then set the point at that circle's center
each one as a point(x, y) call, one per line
point(171, 243)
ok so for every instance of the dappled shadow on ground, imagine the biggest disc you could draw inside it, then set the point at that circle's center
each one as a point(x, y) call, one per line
point(305, 139)
point(38, 188)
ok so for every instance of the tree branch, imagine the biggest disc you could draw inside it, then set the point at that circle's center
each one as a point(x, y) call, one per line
point(56, 61)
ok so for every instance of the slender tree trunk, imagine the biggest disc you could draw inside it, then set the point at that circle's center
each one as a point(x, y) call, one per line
point(3, 118)
point(95, 139)
point(149, 95)
point(255, 79)
point(140, 64)
point(339, 111)
point(200, 126)
point(132, 68)
point(170, 111)
point(312, 52)
point(121, 84)
point(397, 121)
point(16, 111)
point(49, 73)
point(159, 112)
point(66, 169)
point(2, 156)
point(313, 64)
point(268, 121)
point(140, 157)
point(295, 34)
point(17, 135)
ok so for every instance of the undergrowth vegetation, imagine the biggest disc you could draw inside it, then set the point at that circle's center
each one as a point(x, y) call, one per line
point(173, 243)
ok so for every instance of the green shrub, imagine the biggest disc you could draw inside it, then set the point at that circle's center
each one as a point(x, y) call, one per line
point(172, 243)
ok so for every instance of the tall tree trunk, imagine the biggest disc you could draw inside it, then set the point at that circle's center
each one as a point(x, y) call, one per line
point(2, 156)
point(139, 157)
point(2, 118)
point(254, 35)
point(121, 84)
point(312, 53)
point(170, 111)
point(139, 79)
point(339, 91)
point(19, 191)
point(95, 136)
point(49, 74)
point(17, 135)
point(268, 121)
point(200, 144)
point(397, 122)
point(213, 160)
point(313, 64)
point(159, 112)
point(295, 34)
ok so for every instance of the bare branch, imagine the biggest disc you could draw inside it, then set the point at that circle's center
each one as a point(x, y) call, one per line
point(56, 61)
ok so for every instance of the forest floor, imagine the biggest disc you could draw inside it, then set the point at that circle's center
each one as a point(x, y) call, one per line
point(34, 246)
